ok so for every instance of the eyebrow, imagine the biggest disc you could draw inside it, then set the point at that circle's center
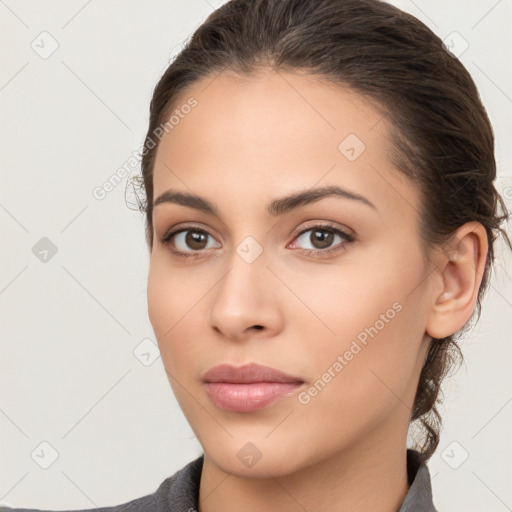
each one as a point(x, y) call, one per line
point(275, 208)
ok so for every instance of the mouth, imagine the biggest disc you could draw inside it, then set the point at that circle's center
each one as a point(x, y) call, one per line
point(248, 388)
point(249, 397)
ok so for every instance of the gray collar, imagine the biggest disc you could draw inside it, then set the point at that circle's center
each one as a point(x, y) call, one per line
point(419, 497)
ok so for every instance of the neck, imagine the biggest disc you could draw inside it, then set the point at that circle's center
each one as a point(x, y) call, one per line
point(371, 475)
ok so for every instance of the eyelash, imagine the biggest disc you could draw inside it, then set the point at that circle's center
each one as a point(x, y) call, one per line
point(310, 252)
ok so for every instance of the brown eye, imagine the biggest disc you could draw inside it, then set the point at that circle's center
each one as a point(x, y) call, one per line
point(195, 240)
point(322, 241)
point(189, 241)
point(321, 237)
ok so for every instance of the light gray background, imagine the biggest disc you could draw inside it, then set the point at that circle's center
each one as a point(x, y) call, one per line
point(71, 327)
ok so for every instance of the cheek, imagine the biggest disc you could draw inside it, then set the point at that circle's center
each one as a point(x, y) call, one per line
point(371, 325)
point(167, 311)
point(161, 301)
point(346, 299)
point(168, 303)
point(176, 300)
point(171, 292)
point(359, 383)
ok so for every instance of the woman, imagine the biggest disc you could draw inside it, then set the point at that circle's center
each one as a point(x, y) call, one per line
point(321, 217)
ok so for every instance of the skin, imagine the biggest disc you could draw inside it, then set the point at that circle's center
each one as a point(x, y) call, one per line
point(246, 143)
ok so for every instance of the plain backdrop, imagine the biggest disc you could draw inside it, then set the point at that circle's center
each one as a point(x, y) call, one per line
point(77, 393)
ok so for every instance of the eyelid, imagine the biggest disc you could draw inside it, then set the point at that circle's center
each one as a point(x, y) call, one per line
point(324, 224)
point(177, 228)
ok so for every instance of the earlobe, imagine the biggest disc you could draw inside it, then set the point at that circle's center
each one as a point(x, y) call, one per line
point(460, 269)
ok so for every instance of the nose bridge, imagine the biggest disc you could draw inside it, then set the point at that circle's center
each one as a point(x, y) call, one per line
point(246, 264)
point(243, 297)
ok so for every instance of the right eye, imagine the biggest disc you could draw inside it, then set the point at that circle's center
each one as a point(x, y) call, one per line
point(189, 242)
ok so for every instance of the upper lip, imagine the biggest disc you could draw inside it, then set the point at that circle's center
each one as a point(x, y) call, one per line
point(246, 374)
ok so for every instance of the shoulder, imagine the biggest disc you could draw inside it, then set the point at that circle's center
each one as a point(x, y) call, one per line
point(148, 503)
point(182, 487)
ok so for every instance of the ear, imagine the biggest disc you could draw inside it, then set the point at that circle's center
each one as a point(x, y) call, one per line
point(459, 270)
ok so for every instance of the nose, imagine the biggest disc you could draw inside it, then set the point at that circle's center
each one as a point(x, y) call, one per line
point(244, 302)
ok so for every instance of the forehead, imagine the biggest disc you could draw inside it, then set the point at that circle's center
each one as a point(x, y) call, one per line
point(267, 102)
point(278, 131)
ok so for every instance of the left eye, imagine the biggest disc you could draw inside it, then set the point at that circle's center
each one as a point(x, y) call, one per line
point(321, 238)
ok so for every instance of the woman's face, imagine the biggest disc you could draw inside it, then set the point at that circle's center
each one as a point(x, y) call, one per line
point(348, 321)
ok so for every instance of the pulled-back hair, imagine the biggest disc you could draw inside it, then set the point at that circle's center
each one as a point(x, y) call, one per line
point(441, 136)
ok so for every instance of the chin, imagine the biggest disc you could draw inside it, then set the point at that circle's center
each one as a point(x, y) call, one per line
point(260, 458)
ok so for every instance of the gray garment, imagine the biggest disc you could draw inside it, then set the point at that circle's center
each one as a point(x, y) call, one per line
point(419, 497)
point(179, 492)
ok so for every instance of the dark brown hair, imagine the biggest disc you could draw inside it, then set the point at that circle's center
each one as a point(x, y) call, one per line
point(442, 139)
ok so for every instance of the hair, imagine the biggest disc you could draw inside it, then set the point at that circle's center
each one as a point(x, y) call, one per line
point(440, 135)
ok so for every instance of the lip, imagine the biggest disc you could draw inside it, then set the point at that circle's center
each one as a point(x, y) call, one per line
point(247, 374)
point(249, 387)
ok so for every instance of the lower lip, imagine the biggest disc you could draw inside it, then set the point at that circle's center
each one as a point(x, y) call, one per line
point(249, 397)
